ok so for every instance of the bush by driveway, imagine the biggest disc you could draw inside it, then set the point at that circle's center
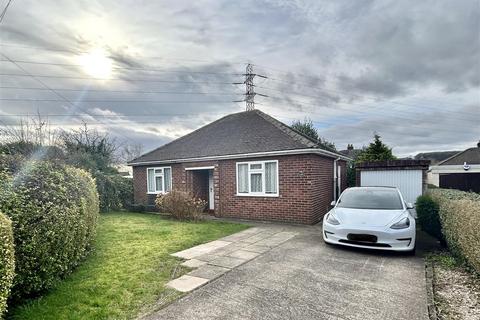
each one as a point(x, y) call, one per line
point(460, 220)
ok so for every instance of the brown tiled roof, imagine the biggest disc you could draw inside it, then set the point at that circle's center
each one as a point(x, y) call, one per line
point(238, 133)
point(470, 156)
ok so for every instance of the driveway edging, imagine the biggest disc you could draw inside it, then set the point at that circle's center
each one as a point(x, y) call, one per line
point(429, 275)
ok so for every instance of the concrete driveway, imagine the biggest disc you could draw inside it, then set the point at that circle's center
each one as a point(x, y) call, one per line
point(303, 278)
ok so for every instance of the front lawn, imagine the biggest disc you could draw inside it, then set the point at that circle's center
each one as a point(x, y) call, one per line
point(126, 273)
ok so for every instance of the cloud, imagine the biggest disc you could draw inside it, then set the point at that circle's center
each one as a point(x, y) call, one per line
point(407, 69)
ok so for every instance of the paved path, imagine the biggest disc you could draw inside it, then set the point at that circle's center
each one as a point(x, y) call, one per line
point(218, 257)
point(302, 278)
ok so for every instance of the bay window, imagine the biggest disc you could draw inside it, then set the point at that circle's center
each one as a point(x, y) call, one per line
point(257, 178)
point(159, 180)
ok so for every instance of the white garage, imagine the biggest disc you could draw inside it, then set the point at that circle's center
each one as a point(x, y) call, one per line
point(407, 175)
point(408, 181)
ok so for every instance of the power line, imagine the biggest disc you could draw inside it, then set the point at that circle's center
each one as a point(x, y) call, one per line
point(113, 79)
point(150, 69)
point(366, 105)
point(361, 96)
point(112, 101)
point(121, 91)
point(2, 15)
point(47, 115)
point(370, 115)
point(360, 111)
point(290, 74)
point(55, 92)
point(74, 51)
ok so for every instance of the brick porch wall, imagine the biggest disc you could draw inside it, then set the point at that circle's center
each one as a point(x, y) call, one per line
point(305, 188)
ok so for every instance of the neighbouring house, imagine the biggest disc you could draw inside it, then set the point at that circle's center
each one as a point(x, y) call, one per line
point(245, 165)
point(461, 171)
point(351, 152)
point(125, 171)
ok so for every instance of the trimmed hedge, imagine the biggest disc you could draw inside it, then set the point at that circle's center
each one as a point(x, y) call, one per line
point(428, 216)
point(460, 217)
point(54, 211)
point(7, 261)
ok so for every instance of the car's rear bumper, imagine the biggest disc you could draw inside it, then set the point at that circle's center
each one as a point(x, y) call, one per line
point(387, 239)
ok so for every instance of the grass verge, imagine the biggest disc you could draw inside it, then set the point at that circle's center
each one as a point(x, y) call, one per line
point(126, 273)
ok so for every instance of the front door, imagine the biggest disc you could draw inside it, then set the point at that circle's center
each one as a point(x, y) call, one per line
point(211, 198)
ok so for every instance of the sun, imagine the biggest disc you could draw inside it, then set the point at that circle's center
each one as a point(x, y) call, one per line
point(96, 63)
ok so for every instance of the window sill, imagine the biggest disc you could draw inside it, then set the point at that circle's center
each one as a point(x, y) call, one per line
point(266, 195)
point(159, 192)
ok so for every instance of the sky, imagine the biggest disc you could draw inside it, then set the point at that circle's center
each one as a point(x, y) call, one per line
point(151, 71)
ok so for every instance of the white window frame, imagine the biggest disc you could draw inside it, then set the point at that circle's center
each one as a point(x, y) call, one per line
point(253, 171)
point(155, 175)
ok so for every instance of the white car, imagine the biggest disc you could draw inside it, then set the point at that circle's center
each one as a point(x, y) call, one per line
point(371, 217)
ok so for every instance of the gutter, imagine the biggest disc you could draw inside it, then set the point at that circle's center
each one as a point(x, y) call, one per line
point(248, 155)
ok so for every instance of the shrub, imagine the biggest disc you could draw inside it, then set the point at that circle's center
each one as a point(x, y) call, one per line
point(180, 204)
point(54, 210)
point(115, 192)
point(427, 211)
point(460, 218)
point(7, 261)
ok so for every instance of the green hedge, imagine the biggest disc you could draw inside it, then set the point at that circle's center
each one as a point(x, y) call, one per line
point(54, 210)
point(428, 216)
point(460, 218)
point(115, 192)
point(7, 261)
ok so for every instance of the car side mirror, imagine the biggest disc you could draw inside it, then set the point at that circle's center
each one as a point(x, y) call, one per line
point(410, 205)
point(333, 203)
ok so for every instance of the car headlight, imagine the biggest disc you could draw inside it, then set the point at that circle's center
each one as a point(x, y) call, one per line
point(332, 220)
point(402, 224)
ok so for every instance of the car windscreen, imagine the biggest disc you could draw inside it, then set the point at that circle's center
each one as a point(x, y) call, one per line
point(379, 199)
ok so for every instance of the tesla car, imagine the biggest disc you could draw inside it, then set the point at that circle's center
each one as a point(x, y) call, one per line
point(371, 217)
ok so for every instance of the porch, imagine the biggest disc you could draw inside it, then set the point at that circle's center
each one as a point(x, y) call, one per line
point(200, 182)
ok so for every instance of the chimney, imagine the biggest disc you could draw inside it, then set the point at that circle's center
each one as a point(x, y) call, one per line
point(350, 146)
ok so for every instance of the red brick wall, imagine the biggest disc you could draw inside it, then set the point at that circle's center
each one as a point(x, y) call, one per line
point(305, 188)
point(140, 185)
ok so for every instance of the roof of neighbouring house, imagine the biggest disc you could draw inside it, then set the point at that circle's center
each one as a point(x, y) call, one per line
point(239, 133)
point(435, 156)
point(470, 156)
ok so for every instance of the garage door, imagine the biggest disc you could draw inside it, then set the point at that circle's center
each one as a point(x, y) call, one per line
point(408, 181)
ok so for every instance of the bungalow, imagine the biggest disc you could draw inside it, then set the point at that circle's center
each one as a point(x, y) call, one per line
point(245, 165)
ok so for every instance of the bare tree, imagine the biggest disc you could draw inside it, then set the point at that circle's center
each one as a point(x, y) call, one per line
point(130, 152)
point(28, 134)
